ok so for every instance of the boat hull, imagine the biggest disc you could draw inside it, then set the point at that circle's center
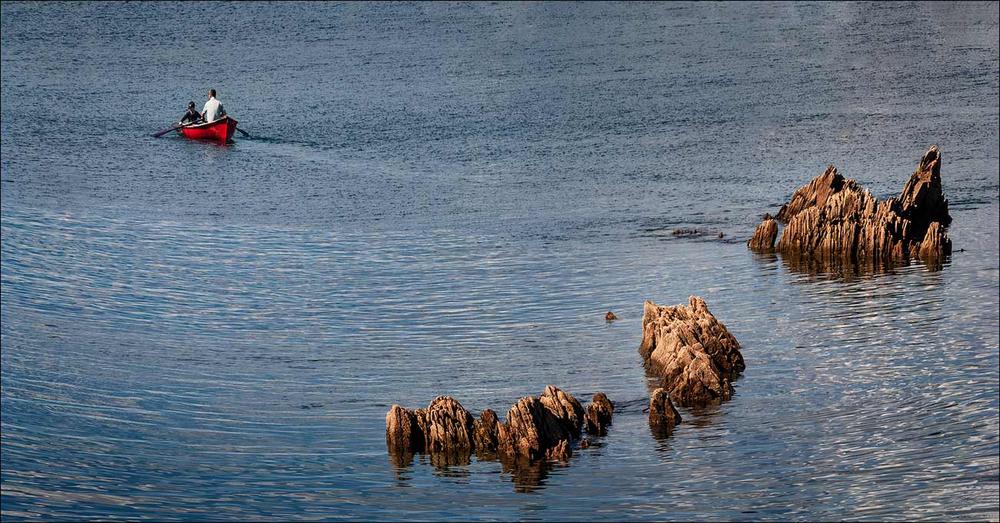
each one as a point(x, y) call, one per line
point(220, 130)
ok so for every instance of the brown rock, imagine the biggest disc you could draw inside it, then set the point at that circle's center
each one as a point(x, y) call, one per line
point(598, 416)
point(935, 243)
point(663, 417)
point(922, 200)
point(559, 452)
point(610, 316)
point(449, 426)
point(564, 408)
point(831, 220)
point(526, 432)
point(485, 432)
point(402, 433)
point(543, 427)
point(536, 428)
point(813, 194)
point(765, 235)
point(691, 350)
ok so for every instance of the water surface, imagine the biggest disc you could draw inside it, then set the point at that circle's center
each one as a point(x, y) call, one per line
point(446, 199)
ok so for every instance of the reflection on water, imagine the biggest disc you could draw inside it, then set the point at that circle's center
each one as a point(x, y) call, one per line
point(527, 476)
point(847, 269)
point(472, 188)
point(186, 375)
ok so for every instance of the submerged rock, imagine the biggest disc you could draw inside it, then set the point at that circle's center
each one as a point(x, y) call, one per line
point(832, 219)
point(694, 354)
point(598, 416)
point(663, 417)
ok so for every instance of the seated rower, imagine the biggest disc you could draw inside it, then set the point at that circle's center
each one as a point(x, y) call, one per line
point(213, 108)
point(191, 116)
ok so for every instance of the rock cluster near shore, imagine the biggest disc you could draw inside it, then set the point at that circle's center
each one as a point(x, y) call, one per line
point(691, 351)
point(536, 428)
point(832, 219)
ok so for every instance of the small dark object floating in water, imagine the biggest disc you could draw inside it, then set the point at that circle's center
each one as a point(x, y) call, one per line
point(610, 316)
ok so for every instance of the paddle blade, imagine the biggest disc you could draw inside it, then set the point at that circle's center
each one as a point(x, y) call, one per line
point(165, 131)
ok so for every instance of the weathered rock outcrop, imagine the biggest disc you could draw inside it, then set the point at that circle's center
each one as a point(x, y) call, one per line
point(448, 427)
point(764, 236)
point(402, 433)
point(545, 427)
point(663, 417)
point(935, 243)
point(598, 416)
point(485, 432)
point(693, 353)
point(833, 219)
point(813, 194)
point(922, 199)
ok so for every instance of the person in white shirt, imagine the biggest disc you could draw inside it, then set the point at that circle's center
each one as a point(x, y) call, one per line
point(213, 108)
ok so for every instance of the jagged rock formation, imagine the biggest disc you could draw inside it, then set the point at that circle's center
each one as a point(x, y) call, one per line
point(764, 236)
point(693, 353)
point(485, 432)
point(543, 427)
point(663, 417)
point(448, 426)
point(598, 416)
point(536, 428)
point(402, 431)
point(833, 219)
point(814, 194)
point(922, 199)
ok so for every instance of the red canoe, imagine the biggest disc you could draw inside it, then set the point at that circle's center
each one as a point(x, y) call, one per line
point(220, 130)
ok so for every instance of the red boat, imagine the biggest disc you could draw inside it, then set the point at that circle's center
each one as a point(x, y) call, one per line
point(220, 130)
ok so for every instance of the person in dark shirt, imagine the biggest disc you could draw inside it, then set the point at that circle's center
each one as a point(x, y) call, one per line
point(192, 116)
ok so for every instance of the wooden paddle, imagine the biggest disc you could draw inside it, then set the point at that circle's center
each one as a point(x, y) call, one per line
point(165, 131)
point(244, 132)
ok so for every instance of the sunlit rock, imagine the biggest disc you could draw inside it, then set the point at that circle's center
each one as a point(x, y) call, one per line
point(402, 433)
point(813, 194)
point(598, 416)
point(832, 219)
point(485, 432)
point(694, 354)
point(449, 426)
point(543, 427)
point(765, 235)
point(663, 417)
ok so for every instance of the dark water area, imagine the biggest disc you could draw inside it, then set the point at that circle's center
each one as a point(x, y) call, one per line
point(446, 199)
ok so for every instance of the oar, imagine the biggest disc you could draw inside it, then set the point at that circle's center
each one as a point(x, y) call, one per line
point(244, 132)
point(165, 131)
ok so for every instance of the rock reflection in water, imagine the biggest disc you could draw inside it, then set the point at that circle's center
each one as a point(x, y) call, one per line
point(847, 270)
point(527, 475)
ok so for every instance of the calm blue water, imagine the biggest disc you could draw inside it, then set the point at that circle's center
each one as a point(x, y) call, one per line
point(446, 199)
